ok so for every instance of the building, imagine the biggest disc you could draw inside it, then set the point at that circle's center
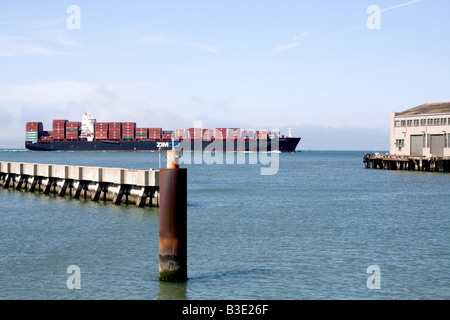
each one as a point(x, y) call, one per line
point(422, 130)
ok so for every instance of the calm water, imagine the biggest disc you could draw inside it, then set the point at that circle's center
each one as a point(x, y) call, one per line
point(308, 232)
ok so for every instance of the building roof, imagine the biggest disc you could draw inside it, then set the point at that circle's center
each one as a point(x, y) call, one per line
point(427, 108)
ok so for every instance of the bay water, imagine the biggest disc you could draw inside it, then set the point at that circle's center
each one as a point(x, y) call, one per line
point(317, 229)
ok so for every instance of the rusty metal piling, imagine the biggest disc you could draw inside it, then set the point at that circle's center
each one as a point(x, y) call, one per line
point(173, 221)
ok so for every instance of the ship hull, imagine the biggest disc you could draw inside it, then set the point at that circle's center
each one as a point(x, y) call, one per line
point(282, 145)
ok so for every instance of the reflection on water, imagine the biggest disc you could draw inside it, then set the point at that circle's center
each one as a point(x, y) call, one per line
point(172, 290)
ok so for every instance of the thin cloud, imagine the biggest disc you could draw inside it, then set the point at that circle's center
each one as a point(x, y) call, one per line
point(41, 38)
point(303, 35)
point(19, 46)
point(45, 93)
point(364, 24)
point(203, 46)
point(401, 5)
point(331, 35)
point(161, 39)
point(299, 38)
point(63, 38)
point(285, 47)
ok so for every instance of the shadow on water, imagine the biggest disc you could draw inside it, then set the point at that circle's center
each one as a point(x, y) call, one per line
point(231, 274)
point(193, 204)
point(178, 290)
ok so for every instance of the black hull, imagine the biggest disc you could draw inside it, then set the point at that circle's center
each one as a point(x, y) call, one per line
point(284, 145)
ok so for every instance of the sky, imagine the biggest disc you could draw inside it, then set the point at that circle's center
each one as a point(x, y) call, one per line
point(330, 70)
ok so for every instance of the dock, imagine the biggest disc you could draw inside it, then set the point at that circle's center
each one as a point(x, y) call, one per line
point(428, 163)
point(121, 186)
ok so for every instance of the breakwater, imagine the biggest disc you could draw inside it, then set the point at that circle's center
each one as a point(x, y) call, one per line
point(128, 186)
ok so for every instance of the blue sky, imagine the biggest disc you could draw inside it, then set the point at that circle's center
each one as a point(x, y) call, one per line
point(314, 66)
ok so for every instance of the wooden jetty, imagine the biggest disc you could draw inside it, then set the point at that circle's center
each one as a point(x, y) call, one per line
point(413, 163)
point(140, 187)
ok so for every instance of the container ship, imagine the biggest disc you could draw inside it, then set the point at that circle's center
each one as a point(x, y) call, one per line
point(90, 135)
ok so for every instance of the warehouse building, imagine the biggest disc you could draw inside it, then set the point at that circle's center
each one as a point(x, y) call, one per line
point(421, 131)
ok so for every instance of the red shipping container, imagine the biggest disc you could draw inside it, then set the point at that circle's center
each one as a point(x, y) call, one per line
point(141, 133)
point(208, 134)
point(59, 123)
point(73, 124)
point(261, 135)
point(221, 133)
point(181, 133)
point(115, 125)
point(34, 126)
point(101, 135)
point(101, 125)
point(155, 133)
point(195, 133)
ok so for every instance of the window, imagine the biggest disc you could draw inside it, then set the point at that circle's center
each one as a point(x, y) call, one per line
point(444, 121)
point(423, 122)
point(409, 123)
point(436, 121)
point(403, 123)
point(416, 123)
point(399, 143)
point(428, 140)
point(397, 123)
point(430, 122)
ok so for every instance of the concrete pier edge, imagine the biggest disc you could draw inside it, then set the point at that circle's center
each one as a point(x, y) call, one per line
point(131, 186)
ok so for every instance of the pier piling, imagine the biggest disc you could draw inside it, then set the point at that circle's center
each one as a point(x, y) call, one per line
point(173, 222)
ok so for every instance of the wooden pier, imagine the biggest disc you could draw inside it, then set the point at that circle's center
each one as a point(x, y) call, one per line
point(129, 186)
point(413, 163)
